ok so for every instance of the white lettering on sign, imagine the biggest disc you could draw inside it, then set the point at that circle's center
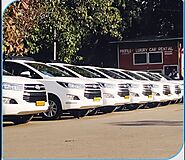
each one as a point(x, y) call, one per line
point(152, 49)
point(125, 51)
point(141, 50)
point(166, 50)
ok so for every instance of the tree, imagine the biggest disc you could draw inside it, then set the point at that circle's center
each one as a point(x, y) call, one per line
point(19, 19)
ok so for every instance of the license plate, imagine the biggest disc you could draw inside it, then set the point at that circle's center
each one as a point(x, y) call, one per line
point(169, 94)
point(40, 103)
point(150, 96)
point(97, 99)
point(126, 97)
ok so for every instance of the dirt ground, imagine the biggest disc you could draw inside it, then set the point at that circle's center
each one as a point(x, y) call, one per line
point(143, 133)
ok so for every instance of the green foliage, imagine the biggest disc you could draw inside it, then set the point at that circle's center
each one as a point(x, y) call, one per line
point(75, 22)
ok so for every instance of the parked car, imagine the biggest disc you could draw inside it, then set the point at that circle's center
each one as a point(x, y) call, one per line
point(65, 93)
point(177, 86)
point(22, 98)
point(115, 93)
point(140, 80)
point(140, 92)
point(162, 89)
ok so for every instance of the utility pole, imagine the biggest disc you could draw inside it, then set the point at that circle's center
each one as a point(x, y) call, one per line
point(55, 46)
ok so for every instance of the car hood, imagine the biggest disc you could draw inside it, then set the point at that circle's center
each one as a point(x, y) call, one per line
point(19, 80)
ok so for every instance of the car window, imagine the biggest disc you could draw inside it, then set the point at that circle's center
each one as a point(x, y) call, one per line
point(122, 75)
point(148, 76)
point(6, 73)
point(165, 76)
point(135, 76)
point(65, 71)
point(82, 72)
point(110, 73)
point(16, 69)
point(98, 74)
point(48, 70)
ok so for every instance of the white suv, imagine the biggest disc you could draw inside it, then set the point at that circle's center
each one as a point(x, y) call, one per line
point(177, 86)
point(136, 89)
point(162, 90)
point(115, 94)
point(22, 98)
point(65, 93)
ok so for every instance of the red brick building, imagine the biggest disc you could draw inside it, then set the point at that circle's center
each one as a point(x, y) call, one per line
point(159, 55)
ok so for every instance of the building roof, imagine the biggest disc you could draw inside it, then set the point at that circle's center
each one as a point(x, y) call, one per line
point(148, 39)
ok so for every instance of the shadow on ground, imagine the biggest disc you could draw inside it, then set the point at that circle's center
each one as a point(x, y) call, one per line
point(149, 123)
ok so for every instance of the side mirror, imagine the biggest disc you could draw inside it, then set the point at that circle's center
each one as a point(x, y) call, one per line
point(25, 74)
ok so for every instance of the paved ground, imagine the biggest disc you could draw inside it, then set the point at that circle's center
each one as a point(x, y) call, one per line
point(149, 133)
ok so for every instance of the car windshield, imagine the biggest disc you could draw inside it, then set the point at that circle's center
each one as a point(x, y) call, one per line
point(165, 76)
point(97, 73)
point(148, 76)
point(64, 70)
point(135, 76)
point(48, 70)
point(82, 72)
point(122, 74)
point(6, 73)
point(110, 73)
point(155, 76)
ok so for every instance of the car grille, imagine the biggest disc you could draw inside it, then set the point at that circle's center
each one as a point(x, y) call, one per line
point(123, 90)
point(34, 92)
point(177, 89)
point(166, 89)
point(92, 91)
point(147, 90)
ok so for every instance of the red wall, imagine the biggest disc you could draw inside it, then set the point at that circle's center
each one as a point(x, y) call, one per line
point(169, 49)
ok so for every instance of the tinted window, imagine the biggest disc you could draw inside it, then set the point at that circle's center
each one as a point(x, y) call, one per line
point(135, 76)
point(48, 70)
point(82, 72)
point(148, 76)
point(16, 69)
point(98, 74)
point(111, 74)
point(65, 71)
point(122, 75)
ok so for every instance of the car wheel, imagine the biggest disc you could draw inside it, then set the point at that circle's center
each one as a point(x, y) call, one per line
point(153, 104)
point(165, 103)
point(133, 106)
point(54, 110)
point(21, 119)
point(107, 109)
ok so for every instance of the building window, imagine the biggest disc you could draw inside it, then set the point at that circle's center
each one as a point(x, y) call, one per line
point(140, 58)
point(155, 57)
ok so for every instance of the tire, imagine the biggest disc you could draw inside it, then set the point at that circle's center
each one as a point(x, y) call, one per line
point(107, 109)
point(93, 112)
point(79, 113)
point(133, 106)
point(153, 104)
point(173, 101)
point(54, 111)
point(21, 119)
point(165, 103)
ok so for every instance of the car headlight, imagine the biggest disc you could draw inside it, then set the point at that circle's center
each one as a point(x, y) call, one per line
point(107, 85)
point(72, 85)
point(135, 85)
point(12, 86)
point(155, 86)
